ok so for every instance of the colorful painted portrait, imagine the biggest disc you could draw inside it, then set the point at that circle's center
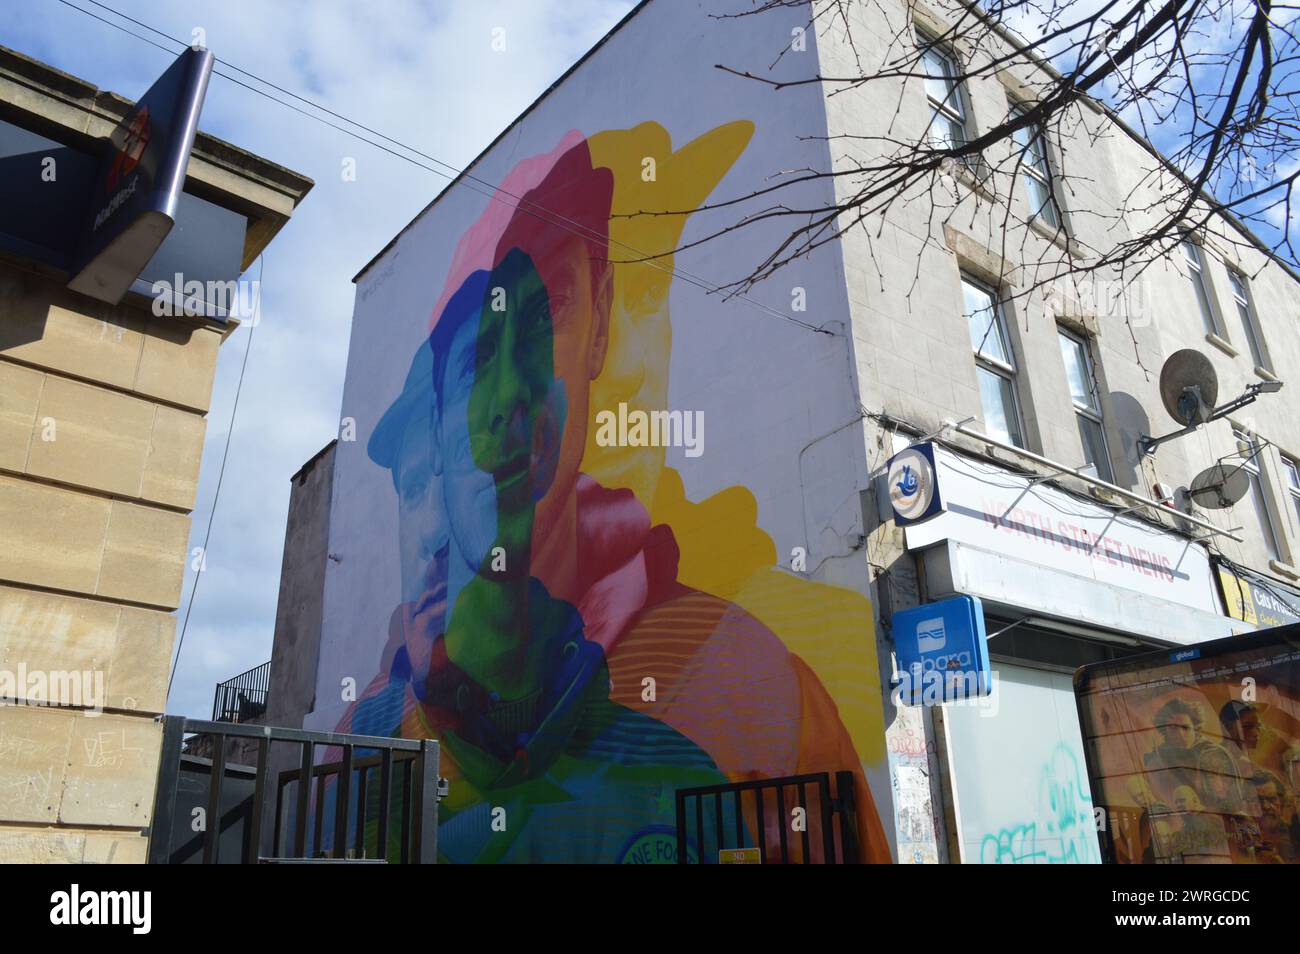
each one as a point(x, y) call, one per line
point(581, 638)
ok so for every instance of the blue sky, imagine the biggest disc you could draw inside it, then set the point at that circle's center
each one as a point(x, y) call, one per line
point(422, 73)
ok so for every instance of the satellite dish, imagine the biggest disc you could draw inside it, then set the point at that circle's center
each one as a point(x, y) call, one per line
point(1219, 486)
point(1189, 387)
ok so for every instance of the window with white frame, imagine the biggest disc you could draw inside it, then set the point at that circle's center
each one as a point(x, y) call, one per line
point(942, 89)
point(1292, 469)
point(995, 364)
point(1258, 495)
point(1249, 323)
point(1082, 378)
point(1196, 272)
point(1036, 173)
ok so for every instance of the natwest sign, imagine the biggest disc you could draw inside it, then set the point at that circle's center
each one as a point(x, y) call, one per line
point(134, 198)
point(995, 510)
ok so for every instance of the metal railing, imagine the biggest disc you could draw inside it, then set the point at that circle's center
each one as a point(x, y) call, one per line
point(763, 815)
point(390, 785)
point(242, 698)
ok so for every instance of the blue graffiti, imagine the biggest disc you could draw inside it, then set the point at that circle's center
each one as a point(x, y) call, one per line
point(1065, 815)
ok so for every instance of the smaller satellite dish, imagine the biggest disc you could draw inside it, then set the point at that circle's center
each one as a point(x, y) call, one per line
point(1189, 387)
point(1219, 486)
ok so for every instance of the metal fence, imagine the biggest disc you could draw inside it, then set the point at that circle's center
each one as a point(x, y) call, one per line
point(373, 799)
point(242, 698)
point(797, 819)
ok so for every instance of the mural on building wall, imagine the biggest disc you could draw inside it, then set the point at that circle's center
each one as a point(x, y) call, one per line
point(581, 637)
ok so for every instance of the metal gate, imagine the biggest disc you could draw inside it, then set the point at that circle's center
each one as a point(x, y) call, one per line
point(370, 790)
point(798, 819)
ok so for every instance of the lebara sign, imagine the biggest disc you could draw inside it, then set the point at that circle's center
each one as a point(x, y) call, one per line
point(942, 652)
point(913, 486)
point(133, 201)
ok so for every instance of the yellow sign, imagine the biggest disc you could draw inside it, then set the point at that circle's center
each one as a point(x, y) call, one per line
point(739, 856)
point(1259, 601)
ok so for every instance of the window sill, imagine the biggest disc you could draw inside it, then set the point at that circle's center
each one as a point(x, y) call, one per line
point(973, 182)
point(1286, 569)
point(1057, 236)
point(1265, 373)
point(1222, 345)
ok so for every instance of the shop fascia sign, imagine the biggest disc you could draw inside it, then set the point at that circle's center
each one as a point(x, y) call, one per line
point(990, 508)
point(1257, 600)
point(140, 181)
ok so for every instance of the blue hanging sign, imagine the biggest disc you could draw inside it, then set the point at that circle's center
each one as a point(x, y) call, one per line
point(942, 652)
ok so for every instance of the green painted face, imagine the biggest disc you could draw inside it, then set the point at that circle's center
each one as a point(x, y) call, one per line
point(511, 424)
point(513, 381)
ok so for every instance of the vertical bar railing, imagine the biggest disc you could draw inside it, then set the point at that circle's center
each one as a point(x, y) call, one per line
point(833, 815)
point(242, 697)
point(212, 818)
point(347, 782)
point(169, 772)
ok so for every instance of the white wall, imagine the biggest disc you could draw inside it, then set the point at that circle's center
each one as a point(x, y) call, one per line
point(770, 479)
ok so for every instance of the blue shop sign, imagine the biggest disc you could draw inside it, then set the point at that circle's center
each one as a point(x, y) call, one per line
point(942, 652)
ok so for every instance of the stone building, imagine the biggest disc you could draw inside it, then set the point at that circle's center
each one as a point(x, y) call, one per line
point(102, 421)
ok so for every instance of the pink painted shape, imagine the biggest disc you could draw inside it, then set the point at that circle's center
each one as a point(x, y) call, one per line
point(477, 246)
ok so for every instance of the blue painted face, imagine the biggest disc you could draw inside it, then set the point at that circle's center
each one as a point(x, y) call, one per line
point(424, 535)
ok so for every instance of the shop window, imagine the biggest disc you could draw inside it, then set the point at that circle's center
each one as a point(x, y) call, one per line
point(1031, 644)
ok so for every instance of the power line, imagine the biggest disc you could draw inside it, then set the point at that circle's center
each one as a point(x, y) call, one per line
point(456, 175)
point(221, 474)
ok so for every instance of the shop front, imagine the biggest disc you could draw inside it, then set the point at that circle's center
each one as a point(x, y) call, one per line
point(1062, 580)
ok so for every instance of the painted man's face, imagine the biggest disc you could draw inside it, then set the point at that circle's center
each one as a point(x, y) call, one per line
point(470, 490)
point(516, 411)
point(579, 308)
point(423, 537)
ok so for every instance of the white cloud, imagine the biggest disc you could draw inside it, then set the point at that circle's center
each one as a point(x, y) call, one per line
point(428, 77)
